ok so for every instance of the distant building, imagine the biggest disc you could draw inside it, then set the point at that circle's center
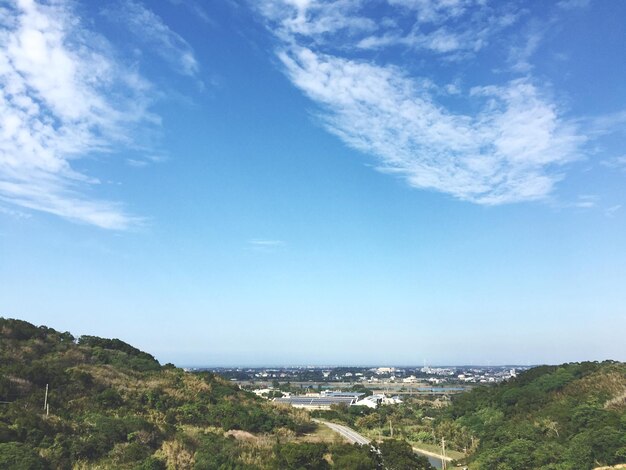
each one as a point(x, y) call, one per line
point(329, 393)
point(371, 402)
point(316, 402)
point(395, 400)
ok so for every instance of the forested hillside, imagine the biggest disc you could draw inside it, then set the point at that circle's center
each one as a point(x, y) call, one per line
point(567, 417)
point(570, 417)
point(112, 406)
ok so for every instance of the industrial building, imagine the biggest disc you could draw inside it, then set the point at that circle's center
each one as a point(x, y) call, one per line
point(323, 401)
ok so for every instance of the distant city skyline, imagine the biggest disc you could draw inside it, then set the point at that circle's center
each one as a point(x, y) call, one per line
point(307, 181)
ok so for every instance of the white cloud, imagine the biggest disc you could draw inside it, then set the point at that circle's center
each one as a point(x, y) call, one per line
point(445, 28)
point(323, 23)
point(196, 9)
point(14, 213)
point(520, 55)
point(606, 124)
point(610, 212)
point(266, 243)
point(500, 155)
point(62, 97)
point(586, 201)
point(315, 20)
point(509, 150)
point(573, 4)
point(616, 163)
point(436, 11)
point(439, 41)
point(150, 29)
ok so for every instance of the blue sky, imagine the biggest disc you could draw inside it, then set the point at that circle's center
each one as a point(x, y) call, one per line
point(311, 182)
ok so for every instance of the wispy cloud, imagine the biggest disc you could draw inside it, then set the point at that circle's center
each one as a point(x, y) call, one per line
point(511, 149)
point(196, 9)
point(586, 201)
point(573, 4)
point(14, 213)
point(618, 163)
point(494, 157)
point(62, 97)
point(266, 243)
point(520, 55)
point(610, 212)
point(145, 160)
point(462, 36)
point(436, 11)
point(441, 27)
point(316, 20)
point(150, 30)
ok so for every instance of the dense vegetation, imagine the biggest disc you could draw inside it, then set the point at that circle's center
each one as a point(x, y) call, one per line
point(112, 406)
point(568, 417)
point(552, 417)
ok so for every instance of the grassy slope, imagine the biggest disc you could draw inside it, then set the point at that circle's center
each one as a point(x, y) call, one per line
point(114, 405)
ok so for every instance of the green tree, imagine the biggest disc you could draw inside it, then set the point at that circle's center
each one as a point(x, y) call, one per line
point(216, 452)
point(354, 457)
point(305, 456)
point(16, 456)
point(398, 455)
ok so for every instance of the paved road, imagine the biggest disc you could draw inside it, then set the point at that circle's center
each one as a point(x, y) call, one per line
point(355, 438)
point(350, 434)
point(434, 455)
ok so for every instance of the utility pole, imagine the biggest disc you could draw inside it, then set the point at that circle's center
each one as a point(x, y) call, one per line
point(45, 400)
point(443, 454)
point(391, 429)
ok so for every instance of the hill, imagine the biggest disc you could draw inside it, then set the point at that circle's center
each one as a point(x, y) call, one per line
point(567, 417)
point(571, 416)
point(112, 406)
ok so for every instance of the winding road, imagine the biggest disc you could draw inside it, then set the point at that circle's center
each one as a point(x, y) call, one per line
point(355, 438)
point(350, 434)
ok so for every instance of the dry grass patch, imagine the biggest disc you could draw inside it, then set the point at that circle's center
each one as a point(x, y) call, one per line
point(242, 435)
point(176, 455)
point(321, 433)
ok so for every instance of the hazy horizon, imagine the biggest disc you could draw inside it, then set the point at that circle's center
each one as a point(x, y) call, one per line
point(297, 181)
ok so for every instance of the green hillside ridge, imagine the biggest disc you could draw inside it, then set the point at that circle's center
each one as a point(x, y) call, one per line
point(567, 417)
point(112, 406)
point(571, 416)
